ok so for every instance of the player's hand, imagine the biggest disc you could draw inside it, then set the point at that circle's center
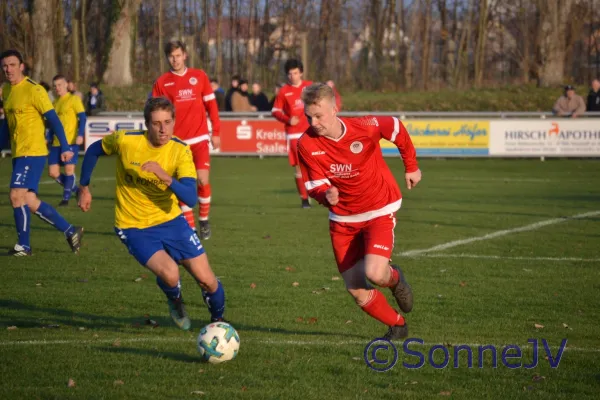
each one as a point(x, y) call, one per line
point(332, 195)
point(412, 178)
point(215, 141)
point(294, 121)
point(84, 198)
point(79, 140)
point(66, 156)
point(156, 169)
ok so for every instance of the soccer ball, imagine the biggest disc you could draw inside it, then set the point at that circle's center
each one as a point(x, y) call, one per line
point(218, 342)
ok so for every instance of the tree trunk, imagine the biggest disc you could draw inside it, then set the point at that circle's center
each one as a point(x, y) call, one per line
point(44, 56)
point(161, 44)
point(426, 55)
point(444, 39)
point(75, 50)
point(118, 63)
point(84, 38)
point(59, 35)
point(552, 40)
point(4, 31)
point(481, 40)
point(218, 40)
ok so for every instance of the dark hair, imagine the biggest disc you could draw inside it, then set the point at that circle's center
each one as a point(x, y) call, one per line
point(213, 80)
point(292, 63)
point(174, 45)
point(155, 104)
point(45, 86)
point(59, 76)
point(236, 78)
point(1, 104)
point(12, 53)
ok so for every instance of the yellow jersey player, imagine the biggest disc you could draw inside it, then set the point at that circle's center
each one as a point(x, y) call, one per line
point(26, 105)
point(71, 113)
point(155, 171)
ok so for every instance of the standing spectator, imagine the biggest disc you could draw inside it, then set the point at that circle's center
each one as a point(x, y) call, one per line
point(94, 100)
point(47, 87)
point(277, 88)
point(235, 81)
point(219, 93)
point(593, 100)
point(240, 99)
point(338, 98)
point(258, 99)
point(569, 104)
point(72, 88)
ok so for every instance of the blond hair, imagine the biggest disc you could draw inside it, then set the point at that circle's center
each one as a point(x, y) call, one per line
point(316, 92)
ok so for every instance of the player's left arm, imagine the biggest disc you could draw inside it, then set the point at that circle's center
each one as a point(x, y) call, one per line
point(81, 119)
point(212, 107)
point(392, 129)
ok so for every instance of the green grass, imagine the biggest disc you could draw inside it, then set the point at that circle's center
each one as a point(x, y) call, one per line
point(510, 98)
point(92, 313)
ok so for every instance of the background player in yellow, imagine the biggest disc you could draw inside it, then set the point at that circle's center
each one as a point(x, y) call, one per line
point(71, 113)
point(26, 105)
point(154, 172)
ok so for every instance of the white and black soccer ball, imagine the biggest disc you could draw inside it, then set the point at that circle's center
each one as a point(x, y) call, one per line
point(218, 342)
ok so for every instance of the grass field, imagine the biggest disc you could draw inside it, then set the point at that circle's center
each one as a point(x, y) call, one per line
point(518, 244)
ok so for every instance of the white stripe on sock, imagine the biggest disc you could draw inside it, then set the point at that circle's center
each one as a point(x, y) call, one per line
point(24, 219)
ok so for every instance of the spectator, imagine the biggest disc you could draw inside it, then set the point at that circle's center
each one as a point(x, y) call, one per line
point(338, 98)
point(47, 87)
point(94, 100)
point(277, 87)
point(240, 100)
point(258, 99)
point(235, 81)
point(593, 100)
point(72, 88)
point(219, 93)
point(569, 104)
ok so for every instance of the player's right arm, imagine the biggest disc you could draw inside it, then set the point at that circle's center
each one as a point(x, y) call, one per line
point(156, 89)
point(314, 178)
point(277, 110)
point(108, 145)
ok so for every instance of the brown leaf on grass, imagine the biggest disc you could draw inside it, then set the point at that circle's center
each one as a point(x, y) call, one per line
point(295, 284)
point(538, 326)
point(71, 383)
point(538, 378)
point(312, 320)
point(11, 328)
point(349, 321)
point(117, 343)
point(144, 276)
point(201, 371)
point(445, 393)
point(138, 279)
point(290, 269)
point(198, 392)
point(299, 319)
point(118, 382)
point(95, 335)
point(267, 237)
point(463, 283)
point(335, 278)
point(244, 388)
point(253, 285)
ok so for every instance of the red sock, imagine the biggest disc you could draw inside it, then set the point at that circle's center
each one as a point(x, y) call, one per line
point(377, 307)
point(204, 201)
point(188, 213)
point(394, 278)
point(301, 188)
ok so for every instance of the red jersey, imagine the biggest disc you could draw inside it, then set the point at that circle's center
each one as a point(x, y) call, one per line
point(354, 164)
point(287, 104)
point(192, 96)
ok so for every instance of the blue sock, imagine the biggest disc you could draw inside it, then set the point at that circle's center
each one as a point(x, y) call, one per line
point(48, 214)
point(215, 301)
point(69, 181)
point(172, 293)
point(22, 218)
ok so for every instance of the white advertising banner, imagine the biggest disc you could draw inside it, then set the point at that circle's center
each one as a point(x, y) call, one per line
point(564, 137)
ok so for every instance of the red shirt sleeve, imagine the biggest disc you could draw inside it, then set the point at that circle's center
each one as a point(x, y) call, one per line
point(314, 178)
point(210, 104)
point(156, 89)
point(392, 129)
point(277, 110)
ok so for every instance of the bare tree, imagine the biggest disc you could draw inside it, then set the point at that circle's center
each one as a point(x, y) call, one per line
point(481, 41)
point(44, 65)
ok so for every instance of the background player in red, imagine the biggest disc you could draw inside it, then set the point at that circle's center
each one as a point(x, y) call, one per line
point(343, 169)
point(190, 91)
point(289, 109)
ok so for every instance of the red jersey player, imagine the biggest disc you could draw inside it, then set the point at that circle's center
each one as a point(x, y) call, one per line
point(343, 169)
point(190, 91)
point(289, 109)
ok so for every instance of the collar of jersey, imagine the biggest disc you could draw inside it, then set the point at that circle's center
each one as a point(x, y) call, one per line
point(184, 72)
point(343, 133)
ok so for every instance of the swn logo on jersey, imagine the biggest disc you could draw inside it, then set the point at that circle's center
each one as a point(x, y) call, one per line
point(186, 93)
point(340, 168)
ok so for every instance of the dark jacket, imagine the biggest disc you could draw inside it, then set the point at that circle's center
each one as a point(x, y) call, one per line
point(230, 91)
point(94, 109)
point(593, 101)
point(260, 101)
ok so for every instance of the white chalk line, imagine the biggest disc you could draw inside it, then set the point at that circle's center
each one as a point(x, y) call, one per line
point(15, 343)
point(496, 234)
point(491, 257)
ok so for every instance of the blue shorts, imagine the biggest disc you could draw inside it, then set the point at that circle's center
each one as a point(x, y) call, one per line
point(27, 172)
point(175, 237)
point(54, 156)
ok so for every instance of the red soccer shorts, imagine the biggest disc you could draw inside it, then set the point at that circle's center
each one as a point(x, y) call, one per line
point(292, 145)
point(353, 240)
point(201, 155)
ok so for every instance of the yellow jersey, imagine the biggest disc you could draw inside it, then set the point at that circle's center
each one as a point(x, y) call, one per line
point(143, 200)
point(24, 106)
point(67, 107)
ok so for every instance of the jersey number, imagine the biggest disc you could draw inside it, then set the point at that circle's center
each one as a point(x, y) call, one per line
point(196, 241)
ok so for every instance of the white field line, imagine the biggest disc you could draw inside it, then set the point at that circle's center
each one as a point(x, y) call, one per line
point(15, 343)
point(496, 234)
point(489, 257)
point(112, 178)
